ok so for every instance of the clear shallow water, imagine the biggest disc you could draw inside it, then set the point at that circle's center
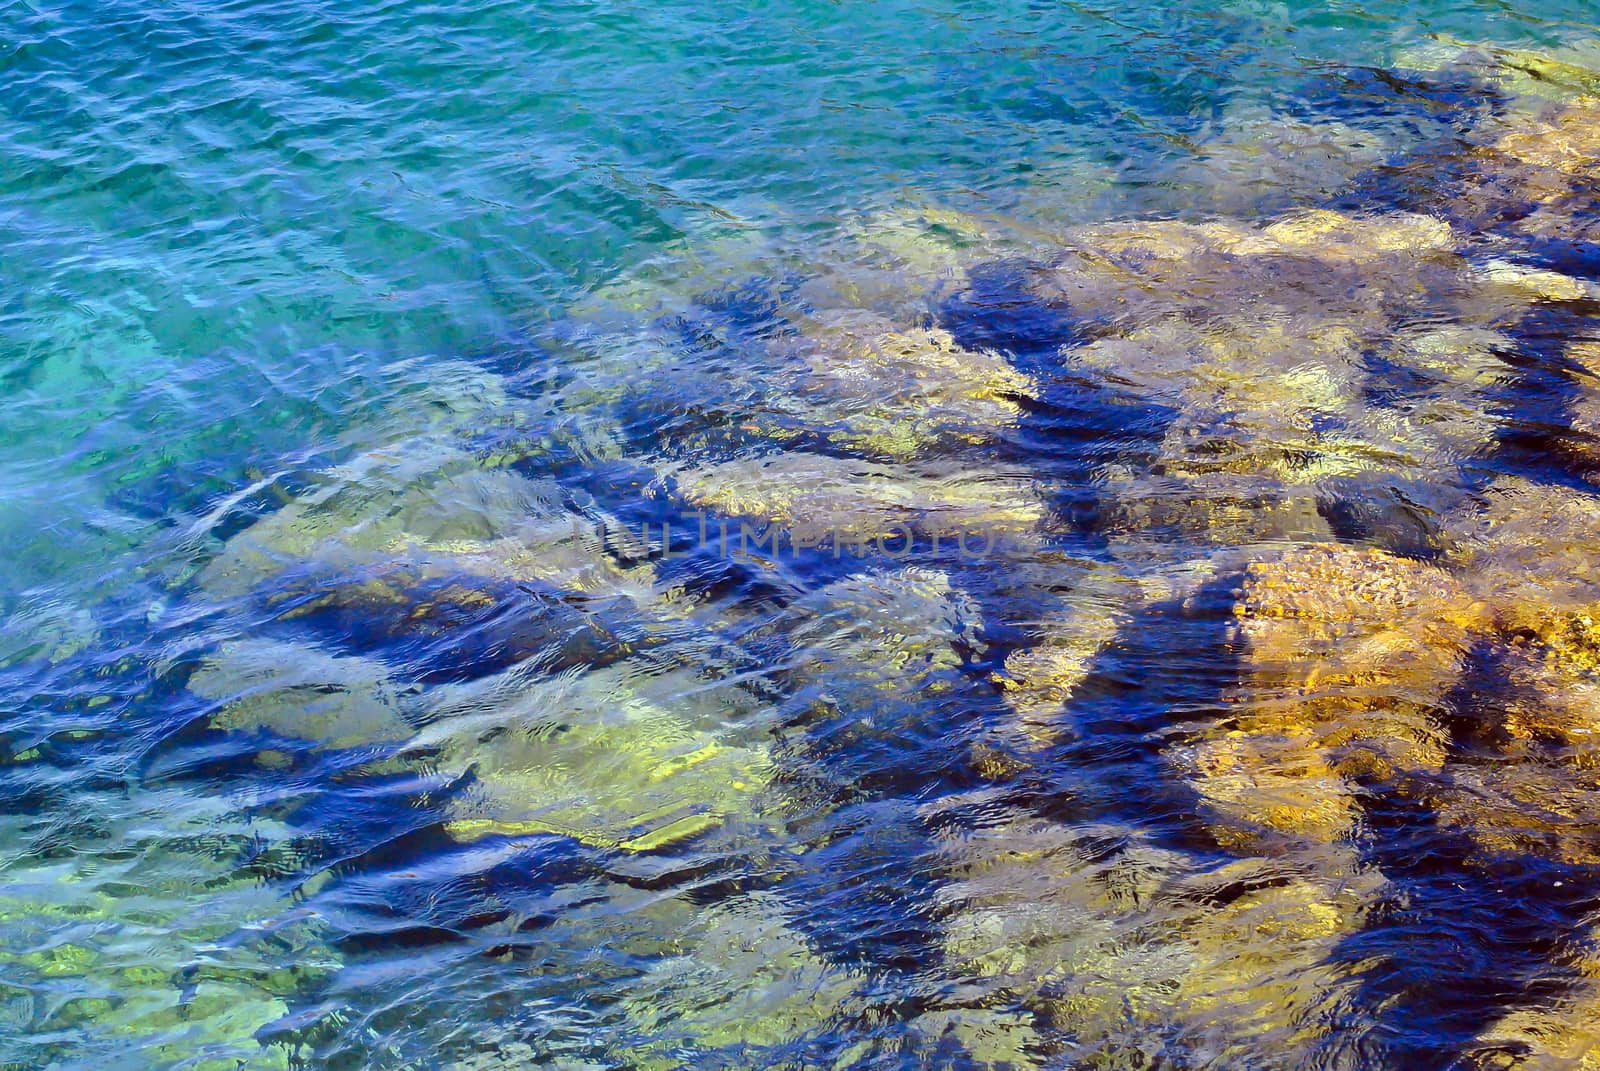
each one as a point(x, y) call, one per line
point(431, 308)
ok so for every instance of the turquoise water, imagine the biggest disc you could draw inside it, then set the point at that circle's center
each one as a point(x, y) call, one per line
point(224, 223)
point(263, 254)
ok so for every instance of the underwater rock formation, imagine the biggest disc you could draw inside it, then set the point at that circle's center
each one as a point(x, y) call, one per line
point(1254, 160)
point(822, 501)
point(742, 983)
point(1561, 1035)
point(293, 690)
point(433, 627)
point(1119, 949)
point(1345, 661)
point(896, 395)
point(150, 946)
point(1038, 680)
point(1322, 265)
point(935, 520)
point(607, 765)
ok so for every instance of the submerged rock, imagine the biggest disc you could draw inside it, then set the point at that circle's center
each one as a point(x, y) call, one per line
point(1090, 607)
point(446, 570)
point(1322, 267)
point(873, 670)
point(296, 691)
point(1527, 802)
point(1039, 681)
point(380, 502)
point(1553, 74)
point(1268, 368)
point(1529, 284)
point(1221, 509)
point(1255, 160)
point(1527, 786)
point(1554, 672)
point(742, 982)
point(822, 501)
point(1118, 949)
point(1441, 389)
point(598, 758)
point(1274, 435)
point(1560, 1033)
point(1338, 237)
point(1528, 174)
point(1265, 974)
point(897, 628)
point(894, 260)
point(1527, 547)
point(1048, 917)
point(154, 945)
point(899, 394)
point(1566, 139)
point(1346, 658)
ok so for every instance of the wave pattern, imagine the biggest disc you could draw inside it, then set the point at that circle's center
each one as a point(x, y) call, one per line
point(613, 535)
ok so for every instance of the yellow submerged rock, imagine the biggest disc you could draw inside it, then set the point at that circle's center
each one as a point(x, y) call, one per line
point(1458, 356)
point(899, 393)
point(1528, 174)
point(1210, 509)
point(1331, 235)
point(1528, 548)
point(818, 500)
point(1533, 787)
point(1264, 981)
point(1529, 801)
point(1268, 411)
point(414, 491)
point(1272, 367)
point(1258, 784)
point(1560, 1033)
point(1530, 785)
point(298, 691)
point(425, 539)
point(1269, 414)
point(590, 757)
point(154, 951)
point(1346, 659)
point(1566, 140)
point(1309, 266)
point(895, 261)
point(741, 978)
point(897, 629)
point(1557, 74)
point(1118, 951)
point(1039, 680)
point(1043, 912)
point(1535, 284)
point(1554, 680)
point(1448, 414)
point(927, 242)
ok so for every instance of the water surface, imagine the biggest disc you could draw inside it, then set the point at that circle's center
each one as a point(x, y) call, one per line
point(377, 695)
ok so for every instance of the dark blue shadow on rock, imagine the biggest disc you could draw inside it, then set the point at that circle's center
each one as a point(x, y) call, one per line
point(1000, 310)
point(1430, 104)
point(452, 628)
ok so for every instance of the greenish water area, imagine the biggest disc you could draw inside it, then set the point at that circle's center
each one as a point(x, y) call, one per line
point(809, 535)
